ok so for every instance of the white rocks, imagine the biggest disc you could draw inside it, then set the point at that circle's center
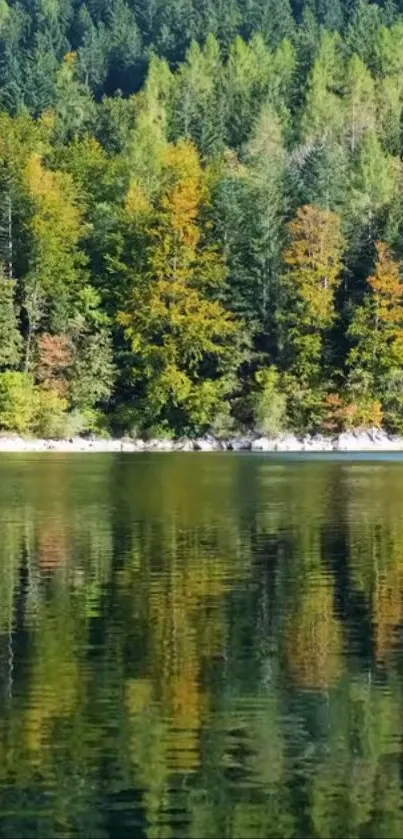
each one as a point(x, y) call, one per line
point(289, 443)
point(317, 443)
point(283, 443)
point(239, 444)
point(184, 446)
point(159, 445)
point(207, 444)
point(347, 442)
point(371, 440)
point(128, 445)
point(262, 444)
point(352, 441)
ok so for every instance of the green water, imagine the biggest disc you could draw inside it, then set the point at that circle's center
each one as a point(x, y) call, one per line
point(201, 646)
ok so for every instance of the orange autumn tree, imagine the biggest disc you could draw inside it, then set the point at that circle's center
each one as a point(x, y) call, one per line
point(376, 357)
point(313, 264)
point(181, 336)
point(55, 355)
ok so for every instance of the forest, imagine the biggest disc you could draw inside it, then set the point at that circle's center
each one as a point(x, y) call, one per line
point(201, 216)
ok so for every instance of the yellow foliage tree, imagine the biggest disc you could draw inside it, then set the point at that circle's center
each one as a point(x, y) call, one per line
point(314, 263)
point(55, 228)
point(55, 225)
point(387, 287)
point(181, 335)
point(376, 357)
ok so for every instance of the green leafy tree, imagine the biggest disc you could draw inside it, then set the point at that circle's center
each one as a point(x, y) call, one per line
point(17, 401)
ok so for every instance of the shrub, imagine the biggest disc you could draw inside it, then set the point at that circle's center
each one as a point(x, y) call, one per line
point(365, 413)
point(17, 401)
point(344, 414)
point(158, 431)
point(269, 403)
point(126, 421)
point(77, 423)
point(223, 424)
point(305, 405)
point(50, 413)
point(393, 400)
point(335, 413)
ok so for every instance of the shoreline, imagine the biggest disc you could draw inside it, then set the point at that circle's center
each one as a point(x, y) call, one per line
point(371, 440)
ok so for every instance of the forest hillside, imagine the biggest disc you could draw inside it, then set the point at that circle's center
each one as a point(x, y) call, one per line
point(201, 216)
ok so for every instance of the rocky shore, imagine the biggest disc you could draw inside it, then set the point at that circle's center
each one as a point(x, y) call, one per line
point(371, 440)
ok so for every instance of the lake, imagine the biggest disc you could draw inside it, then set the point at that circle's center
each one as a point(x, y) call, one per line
point(201, 646)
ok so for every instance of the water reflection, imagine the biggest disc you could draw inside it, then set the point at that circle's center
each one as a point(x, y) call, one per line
point(200, 647)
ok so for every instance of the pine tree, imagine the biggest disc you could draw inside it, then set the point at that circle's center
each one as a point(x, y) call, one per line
point(10, 336)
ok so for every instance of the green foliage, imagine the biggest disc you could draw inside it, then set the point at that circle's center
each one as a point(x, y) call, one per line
point(270, 403)
point(50, 414)
point(17, 402)
point(314, 264)
point(393, 400)
point(182, 338)
point(151, 159)
point(355, 409)
point(93, 371)
point(305, 405)
point(10, 336)
point(376, 330)
point(73, 423)
point(323, 114)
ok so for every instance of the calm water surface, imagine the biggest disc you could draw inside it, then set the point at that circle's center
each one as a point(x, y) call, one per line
point(201, 646)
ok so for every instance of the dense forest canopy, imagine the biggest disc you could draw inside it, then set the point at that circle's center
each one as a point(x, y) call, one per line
point(201, 209)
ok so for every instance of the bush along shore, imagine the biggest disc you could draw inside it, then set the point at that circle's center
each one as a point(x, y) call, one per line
point(371, 440)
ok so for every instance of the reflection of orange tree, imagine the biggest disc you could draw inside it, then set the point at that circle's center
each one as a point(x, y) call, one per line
point(314, 639)
point(375, 550)
point(186, 622)
point(53, 543)
point(186, 627)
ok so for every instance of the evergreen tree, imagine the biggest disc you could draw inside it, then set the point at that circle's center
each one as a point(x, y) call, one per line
point(10, 336)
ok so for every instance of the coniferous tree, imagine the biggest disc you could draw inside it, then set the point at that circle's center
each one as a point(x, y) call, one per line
point(10, 336)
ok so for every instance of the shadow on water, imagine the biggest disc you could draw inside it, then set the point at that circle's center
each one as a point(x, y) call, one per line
point(201, 646)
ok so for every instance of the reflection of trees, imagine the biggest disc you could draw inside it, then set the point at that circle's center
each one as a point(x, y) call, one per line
point(388, 609)
point(315, 637)
point(184, 651)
